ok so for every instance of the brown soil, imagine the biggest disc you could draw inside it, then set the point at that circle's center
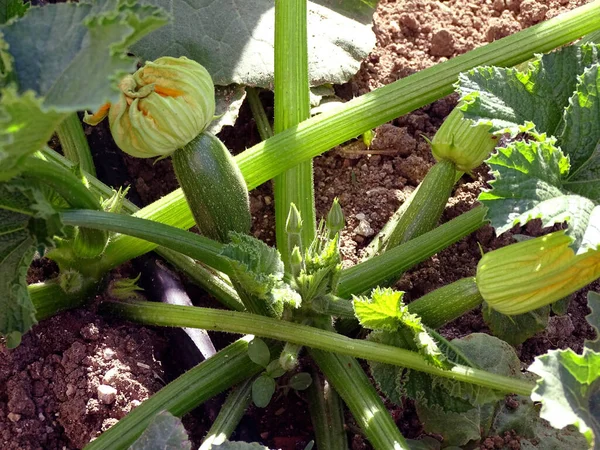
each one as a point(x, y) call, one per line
point(49, 385)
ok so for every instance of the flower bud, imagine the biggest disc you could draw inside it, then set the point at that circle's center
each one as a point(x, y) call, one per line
point(162, 107)
point(335, 219)
point(530, 274)
point(460, 141)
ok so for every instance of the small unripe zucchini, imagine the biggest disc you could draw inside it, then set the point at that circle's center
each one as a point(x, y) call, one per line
point(214, 187)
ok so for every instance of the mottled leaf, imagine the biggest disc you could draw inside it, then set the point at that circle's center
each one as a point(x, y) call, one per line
point(569, 390)
point(65, 57)
point(234, 39)
point(581, 136)
point(27, 222)
point(165, 432)
point(516, 329)
point(508, 98)
point(594, 320)
point(528, 184)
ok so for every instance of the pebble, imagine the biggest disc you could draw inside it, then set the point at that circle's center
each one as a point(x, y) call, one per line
point(107, 394)
point(14, 417)
point(364, 228)
point(108, 354)
point(110, 375)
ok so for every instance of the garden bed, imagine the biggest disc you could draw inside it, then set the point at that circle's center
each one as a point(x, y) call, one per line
point(53, 386)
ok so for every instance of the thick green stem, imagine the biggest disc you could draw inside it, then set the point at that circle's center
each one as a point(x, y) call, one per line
point(292, 106)
point(258, 112)
point(326, 414)
point(49, 298)
point(392, 263)
point(350, 381)
point(218, 285)
point(74, 143)
point(62, 181)
point(190, 244)
point(245, 323)
point(87, 243)
point(230, 415)
point(320, 133)
point(226, 368)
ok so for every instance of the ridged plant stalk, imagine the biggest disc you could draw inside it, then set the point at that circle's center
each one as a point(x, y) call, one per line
point(74, 144)
point(245, 323)
point(292, 106)
point(352, 384)
point(258, 112)
point(355, 280)
point(230, 415)
point(318, 134)
point(327, 414)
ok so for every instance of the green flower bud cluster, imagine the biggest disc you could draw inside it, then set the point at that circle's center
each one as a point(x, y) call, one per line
point(162, 107)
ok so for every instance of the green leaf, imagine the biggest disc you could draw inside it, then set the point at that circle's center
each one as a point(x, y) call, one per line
point(382, 311)
point(522, 417)
point(27, 222)
point(65, 57)
point(300, 381)
point(529, 184)
point(569, 389)
point(490, 354)
point(263, 389)
point(508, 99)
point(72, 54)
point(24, 128)
point(385, 311)
point(165, 432)
point(12, 8)
point(259, 352)
point(234, 39)
point(516, 329)
point(594, 320)
point(257, 266)
point(581, 137)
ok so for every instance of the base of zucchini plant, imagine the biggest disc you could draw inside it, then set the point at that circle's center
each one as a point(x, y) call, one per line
point(370, 184)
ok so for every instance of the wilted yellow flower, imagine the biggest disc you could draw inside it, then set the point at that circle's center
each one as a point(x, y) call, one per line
point(162, 107)
point(460, 141)
point(528, 275)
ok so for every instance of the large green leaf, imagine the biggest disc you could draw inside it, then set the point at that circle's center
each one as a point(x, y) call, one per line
point(569, 390)
point(12, 8)
point(233, 39)
point(516, 329)
point(569, 384)
point(64, 57)
point(27, 222)
point(594, 319)
point(528, 184)
point(581, 136)
point(165, 432)
point(508, 98)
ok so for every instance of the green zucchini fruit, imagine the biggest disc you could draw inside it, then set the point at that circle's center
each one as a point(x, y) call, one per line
point(214, 187)
point(426, 206)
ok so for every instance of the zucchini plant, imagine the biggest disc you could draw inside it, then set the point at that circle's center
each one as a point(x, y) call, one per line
point(290, 295)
